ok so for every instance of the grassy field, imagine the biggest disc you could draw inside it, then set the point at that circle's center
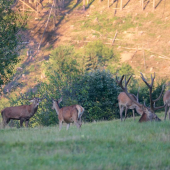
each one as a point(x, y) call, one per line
point(102, 145)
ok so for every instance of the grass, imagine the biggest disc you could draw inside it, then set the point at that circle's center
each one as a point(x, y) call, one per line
point(101, 145)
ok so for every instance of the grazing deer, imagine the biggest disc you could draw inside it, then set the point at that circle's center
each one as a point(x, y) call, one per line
point(166, 99)
point(68, 114)
point(126, 103)
point(22, 113)
point(148, 113)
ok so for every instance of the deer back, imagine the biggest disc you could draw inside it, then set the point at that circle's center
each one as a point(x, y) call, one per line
point(125, 100)
point(69, 111)
point(18, 112)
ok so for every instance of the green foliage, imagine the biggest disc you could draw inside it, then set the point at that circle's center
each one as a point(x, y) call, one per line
point(63, 63)
point(126, 69)
point(9, 40)
point(97, 92)
point(97, 55)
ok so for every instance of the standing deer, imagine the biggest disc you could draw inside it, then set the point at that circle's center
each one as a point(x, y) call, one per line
point(148, 113)
point(68, 114)
point(166, 99)
point(126, 103)
point(22, 113)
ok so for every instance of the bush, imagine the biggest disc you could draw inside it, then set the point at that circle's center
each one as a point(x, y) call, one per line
point(126, 69)
point(98, 55)
point(97, 92)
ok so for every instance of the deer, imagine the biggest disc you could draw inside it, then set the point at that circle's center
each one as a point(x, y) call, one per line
point(126, 103)
point(166, 100)
point(68, 114)
point(148, 112)
point(22, 113)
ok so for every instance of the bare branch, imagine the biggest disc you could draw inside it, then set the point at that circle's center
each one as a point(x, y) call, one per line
point(163, 87)
point(150, 86)
point(24, 97)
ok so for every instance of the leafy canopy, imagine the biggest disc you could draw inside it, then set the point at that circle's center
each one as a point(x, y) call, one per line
point(9, 40)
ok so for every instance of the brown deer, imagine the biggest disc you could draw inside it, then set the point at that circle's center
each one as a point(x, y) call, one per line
point(148, 113)
point(126, 103)
point(166, 99)
point(68, 114)
point(22, 113)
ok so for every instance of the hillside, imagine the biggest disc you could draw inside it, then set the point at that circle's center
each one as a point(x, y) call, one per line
point(142, 37)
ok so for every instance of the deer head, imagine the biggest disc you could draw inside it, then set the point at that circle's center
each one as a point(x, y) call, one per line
point(148, 113)
point(35, 101)
point(56, 102)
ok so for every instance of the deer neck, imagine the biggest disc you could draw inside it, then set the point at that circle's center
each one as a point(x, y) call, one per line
point(34, 108)
point(57, 108)
point(139, 110)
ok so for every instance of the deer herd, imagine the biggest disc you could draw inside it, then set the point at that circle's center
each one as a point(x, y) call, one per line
point(70, 114)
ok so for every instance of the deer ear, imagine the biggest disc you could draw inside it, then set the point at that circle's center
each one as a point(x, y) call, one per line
point(60, 100)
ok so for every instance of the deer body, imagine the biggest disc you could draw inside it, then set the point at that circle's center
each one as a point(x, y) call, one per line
point(18, 112)
point(166, 100)
point(126, 103)
point(68, 114)
point(22, 113)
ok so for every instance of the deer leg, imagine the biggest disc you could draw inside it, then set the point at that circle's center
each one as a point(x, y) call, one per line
point(5, 122)
point(126, 108)
point(169, 113)
point(166, 109)
point(68, 125)
point(79, 121)
point(21, 122)
point(26, 123)
point(121, 109)
point(77, 124)
point(133, 114)
point(60, 125)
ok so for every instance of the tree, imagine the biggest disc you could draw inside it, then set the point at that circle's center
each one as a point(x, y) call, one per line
point(9, 40)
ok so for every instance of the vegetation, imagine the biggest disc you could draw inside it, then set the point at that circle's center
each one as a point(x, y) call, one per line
point(91, 86)
point(101, 145)
point(9, 40)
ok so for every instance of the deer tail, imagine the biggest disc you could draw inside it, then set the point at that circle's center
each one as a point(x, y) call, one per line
point(80, 110)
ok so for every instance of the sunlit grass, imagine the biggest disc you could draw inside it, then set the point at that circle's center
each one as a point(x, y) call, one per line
point(101, 145)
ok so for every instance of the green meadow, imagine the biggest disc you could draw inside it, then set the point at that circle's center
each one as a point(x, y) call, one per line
point(97, 146)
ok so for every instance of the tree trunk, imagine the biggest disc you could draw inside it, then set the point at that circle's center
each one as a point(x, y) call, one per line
point(84, 5)
point(121, 4)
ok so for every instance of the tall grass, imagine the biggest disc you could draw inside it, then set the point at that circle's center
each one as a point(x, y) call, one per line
point(102, 145)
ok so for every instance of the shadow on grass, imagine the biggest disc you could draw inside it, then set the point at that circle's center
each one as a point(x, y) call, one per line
point(158, 4)
point(146, 4)
point(126, 3)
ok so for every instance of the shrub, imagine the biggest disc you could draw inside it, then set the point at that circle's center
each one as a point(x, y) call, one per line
point(98, 55)
point(97, 92)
